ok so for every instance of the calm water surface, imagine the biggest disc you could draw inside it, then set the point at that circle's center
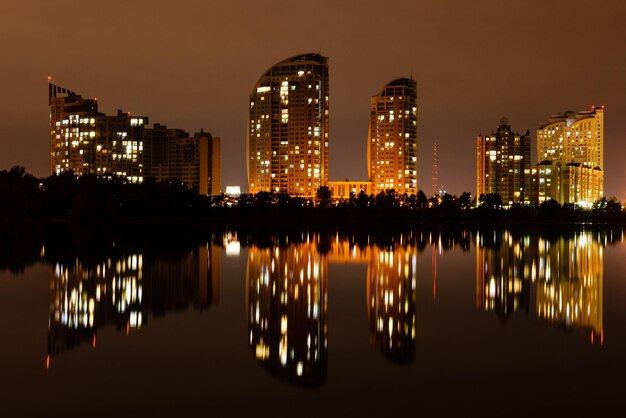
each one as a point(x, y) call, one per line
point(487, 321)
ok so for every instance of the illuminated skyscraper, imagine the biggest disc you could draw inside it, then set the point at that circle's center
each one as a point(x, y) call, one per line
point(86, 141)
point(570, 148)
point(287, 132)
point(573, 138)
point(503, 165)
point(392, 138)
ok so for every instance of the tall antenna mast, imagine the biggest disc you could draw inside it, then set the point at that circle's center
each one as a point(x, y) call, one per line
point(434, 185)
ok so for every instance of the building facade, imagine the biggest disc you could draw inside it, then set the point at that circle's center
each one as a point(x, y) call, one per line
point(392, 138)
point(573, 183)
point(174, 154)
point(570, 147)
point(347, 189)
point(85, 141)
point(503, 165)
point(287, 132)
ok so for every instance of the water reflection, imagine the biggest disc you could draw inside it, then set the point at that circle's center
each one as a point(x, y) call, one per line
point(569, 282)
point(126, 291)
point(287, 302)
point(287, 305)
point(500, 282)
point(555, 276)
point(391, 296)
point(566, 272)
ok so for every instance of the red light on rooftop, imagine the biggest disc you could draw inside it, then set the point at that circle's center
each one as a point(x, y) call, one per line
point(93, 343)
point(47, 361)
point(49, 78)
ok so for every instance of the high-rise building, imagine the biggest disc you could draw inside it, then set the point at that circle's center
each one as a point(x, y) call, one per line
point(86, 141)
point(569, 183)
point(503, 165)
point(570, 148)
point(174, 154)
point(573, 138)
point(287, 132)
point(392, 138)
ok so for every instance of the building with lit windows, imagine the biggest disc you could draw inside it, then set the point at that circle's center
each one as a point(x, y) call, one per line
point(347, 189)
point(287, 131)
point(392, 138)
point(503, 165)
point(571, 147)
point(86, 141)
point(569, 183)
point(174, 154)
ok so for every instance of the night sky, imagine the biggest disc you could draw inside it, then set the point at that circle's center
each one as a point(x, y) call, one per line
point(193, 64)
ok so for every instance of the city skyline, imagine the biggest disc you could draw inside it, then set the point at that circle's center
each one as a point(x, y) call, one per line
point(448, 49)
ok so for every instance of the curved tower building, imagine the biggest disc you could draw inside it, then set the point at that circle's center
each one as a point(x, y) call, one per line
point(287, 132)
point(392, 138)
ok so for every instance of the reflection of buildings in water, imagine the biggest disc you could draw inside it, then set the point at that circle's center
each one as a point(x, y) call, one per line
point(500, 280)
point(287, 310)
point(391, 298)
point(567, 273)
point(391, 293)
point(125, 291)
point(569, 282)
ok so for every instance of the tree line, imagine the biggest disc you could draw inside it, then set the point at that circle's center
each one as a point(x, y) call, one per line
point(90, 197)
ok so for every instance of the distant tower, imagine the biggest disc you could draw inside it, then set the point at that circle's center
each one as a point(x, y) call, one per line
point(435, 186)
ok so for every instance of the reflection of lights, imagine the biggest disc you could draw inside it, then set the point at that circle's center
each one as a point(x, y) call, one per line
point(233, 249)
point(286, 310)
